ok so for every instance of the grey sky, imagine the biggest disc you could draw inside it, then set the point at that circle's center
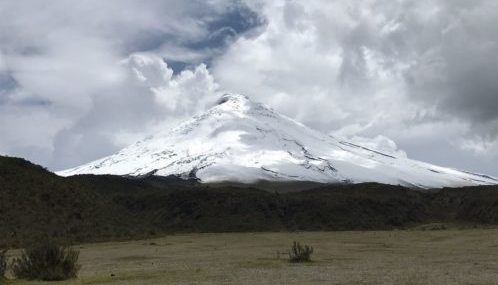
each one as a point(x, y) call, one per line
point(423, 74)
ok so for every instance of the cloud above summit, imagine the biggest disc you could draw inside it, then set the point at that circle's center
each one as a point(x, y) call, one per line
point(80, 80)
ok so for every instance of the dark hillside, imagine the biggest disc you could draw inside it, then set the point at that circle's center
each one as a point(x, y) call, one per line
point(469, 204)
point(36, 203)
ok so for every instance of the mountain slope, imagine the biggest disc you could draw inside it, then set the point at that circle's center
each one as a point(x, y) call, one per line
point(240, 140)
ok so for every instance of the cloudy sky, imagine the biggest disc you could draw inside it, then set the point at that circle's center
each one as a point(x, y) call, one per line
point(82, 79)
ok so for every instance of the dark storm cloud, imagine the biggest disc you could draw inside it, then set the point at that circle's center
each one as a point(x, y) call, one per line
point(458, 70)
point(222, 31)
point(450, 49)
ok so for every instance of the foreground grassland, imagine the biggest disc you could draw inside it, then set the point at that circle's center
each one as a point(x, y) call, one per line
point(390, 257)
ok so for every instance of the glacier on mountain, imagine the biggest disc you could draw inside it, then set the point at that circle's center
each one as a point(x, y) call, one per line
point(243, 141)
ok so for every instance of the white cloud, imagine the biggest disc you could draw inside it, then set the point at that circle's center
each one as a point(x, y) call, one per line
point(181, 95)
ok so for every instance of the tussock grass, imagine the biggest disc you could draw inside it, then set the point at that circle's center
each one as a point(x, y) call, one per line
point(48, 262)
point(300, 253)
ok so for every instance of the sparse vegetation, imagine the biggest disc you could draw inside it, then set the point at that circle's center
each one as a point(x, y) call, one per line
point(3, 263)
point(48, 262)
point(300, 253)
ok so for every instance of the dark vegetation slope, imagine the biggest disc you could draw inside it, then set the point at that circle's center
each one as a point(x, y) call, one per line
point(35, 203)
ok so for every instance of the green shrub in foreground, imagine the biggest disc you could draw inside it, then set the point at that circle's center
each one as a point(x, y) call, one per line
point(49, 262)
point(300, 253)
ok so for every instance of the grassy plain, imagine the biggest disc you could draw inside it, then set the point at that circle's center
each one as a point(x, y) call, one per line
point(371, 257)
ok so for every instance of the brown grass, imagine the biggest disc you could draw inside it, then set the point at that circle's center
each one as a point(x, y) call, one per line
point(392, 257)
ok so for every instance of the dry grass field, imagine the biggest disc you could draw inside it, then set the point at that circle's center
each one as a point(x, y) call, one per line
point(388, 257)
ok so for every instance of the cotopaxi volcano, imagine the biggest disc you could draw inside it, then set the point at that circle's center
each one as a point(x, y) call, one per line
point(243, 141)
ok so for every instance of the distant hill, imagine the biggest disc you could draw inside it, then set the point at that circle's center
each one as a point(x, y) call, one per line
point(35, 203)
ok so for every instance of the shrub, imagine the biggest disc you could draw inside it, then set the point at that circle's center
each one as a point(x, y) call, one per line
point(48, 262)
point(3, 263)
point(300, 253)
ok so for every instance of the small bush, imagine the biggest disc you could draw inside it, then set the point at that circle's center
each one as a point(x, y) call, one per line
point(300, 253)
point(48, 262)
point(3, 263)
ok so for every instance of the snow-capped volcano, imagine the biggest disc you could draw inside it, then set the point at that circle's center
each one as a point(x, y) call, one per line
point(243, 141)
